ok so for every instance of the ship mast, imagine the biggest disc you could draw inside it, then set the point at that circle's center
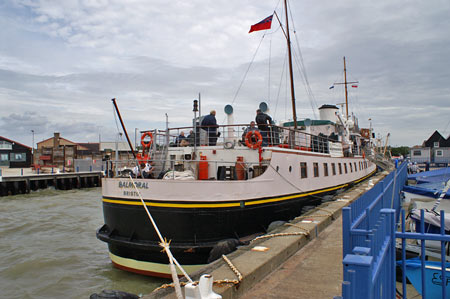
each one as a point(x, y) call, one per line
point(346, 92)
point(294, 112)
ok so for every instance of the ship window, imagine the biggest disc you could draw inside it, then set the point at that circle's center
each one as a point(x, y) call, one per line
point(351, 167)
point(290, 168)
point(345, 167)
point(356, 169)
point(340, 168)
point(3, 157)
point(325, 169)
point(278, 168)
point(436, 144)
point(333, 168)
point(316, 169)
point(417, 153)
point(439, 153)
point(303, 170)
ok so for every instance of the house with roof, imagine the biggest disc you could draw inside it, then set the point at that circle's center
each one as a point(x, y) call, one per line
point(436, 150)
point(14, 154)
point(57, 152)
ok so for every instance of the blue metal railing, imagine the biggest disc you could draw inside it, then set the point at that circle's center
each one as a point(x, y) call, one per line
point(369, 239)
point(369, 236)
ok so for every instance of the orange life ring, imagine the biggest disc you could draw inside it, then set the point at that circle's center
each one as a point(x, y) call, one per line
point(146, 144)
point(142, 158)
point(248, 139)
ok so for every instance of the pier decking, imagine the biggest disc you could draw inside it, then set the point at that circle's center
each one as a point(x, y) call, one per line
point(22, 184)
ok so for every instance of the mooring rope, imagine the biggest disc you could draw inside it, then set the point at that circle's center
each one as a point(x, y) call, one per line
point(233, 268)
point(166, 248)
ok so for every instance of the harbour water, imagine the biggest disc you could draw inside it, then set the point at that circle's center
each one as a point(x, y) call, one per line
point(48, 248)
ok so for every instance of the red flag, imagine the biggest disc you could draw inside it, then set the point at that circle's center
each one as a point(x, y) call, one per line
point(263, 25)
point(354, 86)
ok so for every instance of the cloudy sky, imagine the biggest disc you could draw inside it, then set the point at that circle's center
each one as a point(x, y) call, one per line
point(61, 62)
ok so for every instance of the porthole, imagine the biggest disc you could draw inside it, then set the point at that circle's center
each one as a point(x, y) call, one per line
point(290, 168)
point(278, 168)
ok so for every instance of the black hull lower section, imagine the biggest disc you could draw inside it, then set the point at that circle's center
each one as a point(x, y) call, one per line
point(193, 232)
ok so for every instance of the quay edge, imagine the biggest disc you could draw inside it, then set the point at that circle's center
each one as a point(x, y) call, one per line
point(255, 266)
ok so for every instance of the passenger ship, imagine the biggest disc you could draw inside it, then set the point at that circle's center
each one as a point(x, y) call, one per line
point(205, 195)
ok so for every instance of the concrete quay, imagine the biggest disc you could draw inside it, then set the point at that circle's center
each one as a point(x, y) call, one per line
point(293, 266)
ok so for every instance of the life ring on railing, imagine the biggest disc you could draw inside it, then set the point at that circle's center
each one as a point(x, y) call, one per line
point(248, 139)
point(144, 143)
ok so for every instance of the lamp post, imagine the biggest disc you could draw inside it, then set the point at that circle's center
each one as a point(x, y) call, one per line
point(32, 145)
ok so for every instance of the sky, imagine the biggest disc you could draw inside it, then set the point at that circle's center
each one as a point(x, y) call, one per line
point(61, 63)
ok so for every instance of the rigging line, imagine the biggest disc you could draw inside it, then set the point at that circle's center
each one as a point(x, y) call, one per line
point(268, 83)
point(307, 87)
point(246, 72)
point(302, 68)
point(281, 81)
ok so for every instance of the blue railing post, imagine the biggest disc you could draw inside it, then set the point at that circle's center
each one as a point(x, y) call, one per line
point(90, 168)
point(21, 171)
point(361, 286)
point(78, 169)
point(52, 170)
point(390, 257)
point(0, 172)
point(346, 226)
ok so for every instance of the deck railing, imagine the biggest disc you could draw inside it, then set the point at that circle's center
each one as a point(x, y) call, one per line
point(234, 135)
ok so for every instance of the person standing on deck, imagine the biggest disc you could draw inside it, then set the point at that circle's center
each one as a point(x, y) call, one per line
point(209, 124)
point(263, 120)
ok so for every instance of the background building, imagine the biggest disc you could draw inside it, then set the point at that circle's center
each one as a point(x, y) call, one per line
point(14, 154)
point(434, 150)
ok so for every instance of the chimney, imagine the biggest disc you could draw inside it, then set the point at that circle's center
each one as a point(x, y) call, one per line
point(56, 140)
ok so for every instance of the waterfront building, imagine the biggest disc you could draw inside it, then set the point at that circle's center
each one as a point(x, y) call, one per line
point(14, 154)
point(436, 149)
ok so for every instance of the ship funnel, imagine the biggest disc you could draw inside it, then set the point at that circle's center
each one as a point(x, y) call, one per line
point(328, 112)
point(230, 131)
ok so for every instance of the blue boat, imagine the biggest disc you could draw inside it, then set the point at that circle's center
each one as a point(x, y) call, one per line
point(433, 277)
point(428, 184)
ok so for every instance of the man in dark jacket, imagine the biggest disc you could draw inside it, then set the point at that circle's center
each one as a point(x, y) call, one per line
point(209, 124)
point(263, 120)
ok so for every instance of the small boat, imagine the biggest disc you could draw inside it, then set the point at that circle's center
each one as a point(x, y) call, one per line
point(433, 277)
point(214, 193)
point(428, 187)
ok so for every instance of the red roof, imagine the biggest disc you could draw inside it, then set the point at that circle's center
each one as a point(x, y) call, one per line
point(12, 141)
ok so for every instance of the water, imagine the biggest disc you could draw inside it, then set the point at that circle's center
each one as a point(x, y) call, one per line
point(48, 248)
